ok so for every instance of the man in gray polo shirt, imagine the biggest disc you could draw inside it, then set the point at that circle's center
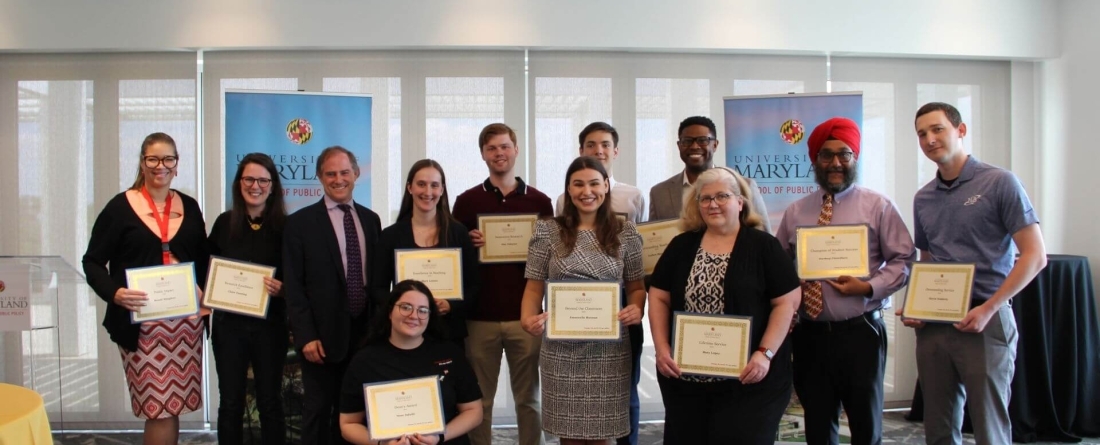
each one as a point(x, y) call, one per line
point(972, 212)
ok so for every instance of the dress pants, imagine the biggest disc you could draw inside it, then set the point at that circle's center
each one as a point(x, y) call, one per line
point(637, 337)
point(841, 364)
point(958, 368)
point(321, 385)
point(486, 341)
point(723, 413)
point(240, 341)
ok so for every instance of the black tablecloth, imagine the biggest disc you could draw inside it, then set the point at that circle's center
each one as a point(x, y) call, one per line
point(1056, 389)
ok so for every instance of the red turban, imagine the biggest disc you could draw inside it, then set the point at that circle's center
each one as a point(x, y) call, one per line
point(839, 128)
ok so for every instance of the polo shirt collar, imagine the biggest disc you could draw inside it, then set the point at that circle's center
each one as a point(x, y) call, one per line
point(967, 173)
point(521, 187)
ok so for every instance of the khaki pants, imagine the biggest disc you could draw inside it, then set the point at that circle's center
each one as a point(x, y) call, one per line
point(486, 341)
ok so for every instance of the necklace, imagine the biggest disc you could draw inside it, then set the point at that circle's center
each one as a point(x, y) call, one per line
point(255, 223)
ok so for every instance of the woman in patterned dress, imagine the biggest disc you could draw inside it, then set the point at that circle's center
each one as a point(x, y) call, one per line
point(585, 384)
point(721, 265)
point(162, 359)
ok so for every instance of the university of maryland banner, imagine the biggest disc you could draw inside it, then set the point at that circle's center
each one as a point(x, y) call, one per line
point(293, 128)
point(766, 141)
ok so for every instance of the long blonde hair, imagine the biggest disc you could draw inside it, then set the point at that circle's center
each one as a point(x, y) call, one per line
point(148, 142)
point(692, 218)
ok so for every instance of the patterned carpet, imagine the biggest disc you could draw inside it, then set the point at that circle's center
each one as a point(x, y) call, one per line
point(897, 430)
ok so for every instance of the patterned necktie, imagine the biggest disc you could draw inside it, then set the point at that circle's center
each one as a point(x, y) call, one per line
point(357, 298)
point(812, 301)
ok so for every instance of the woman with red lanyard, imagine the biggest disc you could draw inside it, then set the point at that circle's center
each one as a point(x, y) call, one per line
point(149, 225)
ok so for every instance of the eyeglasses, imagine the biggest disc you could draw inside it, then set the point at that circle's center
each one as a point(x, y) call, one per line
point(703, 141)
point(828, 156)
point(248, 181)
point(721, 199)
point(406, 309)
point(153, 161)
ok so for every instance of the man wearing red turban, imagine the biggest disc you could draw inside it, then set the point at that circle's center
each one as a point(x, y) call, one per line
point(840, 341)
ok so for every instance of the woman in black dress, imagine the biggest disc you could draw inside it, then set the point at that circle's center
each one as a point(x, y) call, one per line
point(252, 231)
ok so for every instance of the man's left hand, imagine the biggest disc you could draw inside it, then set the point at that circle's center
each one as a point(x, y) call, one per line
point(976, 319)
point(848, 285)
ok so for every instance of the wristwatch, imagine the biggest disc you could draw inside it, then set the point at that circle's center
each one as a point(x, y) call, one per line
point(768, 354)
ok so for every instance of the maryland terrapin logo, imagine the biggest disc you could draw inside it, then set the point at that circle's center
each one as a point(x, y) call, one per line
point(299, 131)
point(792, 131)
point(2, 287)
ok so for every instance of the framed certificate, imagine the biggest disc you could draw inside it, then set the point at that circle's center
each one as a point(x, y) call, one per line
point(655, 238)
point(711, 345)
point(237, 286)
point(403, 407)
point(939, 292)
point(439, 269)
point(170, 289)
point(583, 310)
point(831, 251)
point(506, 236)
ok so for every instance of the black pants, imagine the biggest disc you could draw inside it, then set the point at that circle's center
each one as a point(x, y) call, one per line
point(321, 386)
point(240, 341)
point(841, 364)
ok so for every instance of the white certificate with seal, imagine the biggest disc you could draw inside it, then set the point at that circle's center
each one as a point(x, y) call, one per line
point(170, 291)
point(506, 236)
point(237, 286)
point(710, 344)
point(826, 252)
point(583, 310)
point(400, 407)
point(439, 269)
point(939, 292)
point(655, 238)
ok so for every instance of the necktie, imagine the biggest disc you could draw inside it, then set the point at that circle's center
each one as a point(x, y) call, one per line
point(357, 298)
point(812, 301)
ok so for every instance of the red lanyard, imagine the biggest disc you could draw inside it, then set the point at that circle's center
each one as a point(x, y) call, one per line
point(163, 225)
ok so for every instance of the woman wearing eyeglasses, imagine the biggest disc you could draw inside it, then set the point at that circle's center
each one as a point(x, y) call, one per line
point(252, 231)
point(151, 225)
point(722, 265)
point(406, 341)
point(425, 222)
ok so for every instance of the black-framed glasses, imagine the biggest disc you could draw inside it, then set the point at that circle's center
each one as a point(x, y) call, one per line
point(721, 199)
point(248, 181)
point(406, 309)
point(828, 156)
point(153, 161)
point(703, 141)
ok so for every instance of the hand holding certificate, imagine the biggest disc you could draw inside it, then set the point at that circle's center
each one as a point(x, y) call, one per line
point(237, 286)
point(506, 237)
point(404, 407)
point(655, 238)
point(832, 251)
point(939, 292)
point(583, 310)
point(439, 269)
point(711, 345)
point(170, 291)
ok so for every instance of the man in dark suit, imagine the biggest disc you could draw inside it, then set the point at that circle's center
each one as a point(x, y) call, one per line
point(325, 250)
point(697, 143)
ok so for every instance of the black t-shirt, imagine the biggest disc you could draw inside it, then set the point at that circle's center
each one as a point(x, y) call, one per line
point(382, 362)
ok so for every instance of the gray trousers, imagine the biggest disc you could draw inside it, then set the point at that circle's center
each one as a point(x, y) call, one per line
point(957, 367)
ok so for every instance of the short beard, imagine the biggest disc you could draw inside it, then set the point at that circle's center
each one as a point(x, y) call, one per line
point(822, 179)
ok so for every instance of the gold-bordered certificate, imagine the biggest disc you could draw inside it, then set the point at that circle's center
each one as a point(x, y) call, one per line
point(831, 251)
point(583, 310)
point(401, 407)
point(711, 345)
point(170, 291)
point(506, 236)
point(939, 291)
point(439, 269)
point(237, 286)
point(655, 238)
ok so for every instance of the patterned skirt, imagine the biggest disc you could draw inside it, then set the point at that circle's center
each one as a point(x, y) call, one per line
point(586, 388)
point(165, 373)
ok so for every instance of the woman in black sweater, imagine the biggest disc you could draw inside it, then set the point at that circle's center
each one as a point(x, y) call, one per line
point(252, 231)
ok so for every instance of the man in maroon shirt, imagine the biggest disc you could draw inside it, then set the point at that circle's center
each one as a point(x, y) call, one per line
point(494, 324)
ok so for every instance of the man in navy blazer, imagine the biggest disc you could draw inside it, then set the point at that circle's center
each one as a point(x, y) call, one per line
point(328, 306)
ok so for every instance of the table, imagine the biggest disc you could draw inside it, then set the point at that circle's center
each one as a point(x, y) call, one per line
point(1056, 388)
point(22, 417)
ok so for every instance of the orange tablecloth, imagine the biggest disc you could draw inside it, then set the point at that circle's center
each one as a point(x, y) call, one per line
point(22, 417)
